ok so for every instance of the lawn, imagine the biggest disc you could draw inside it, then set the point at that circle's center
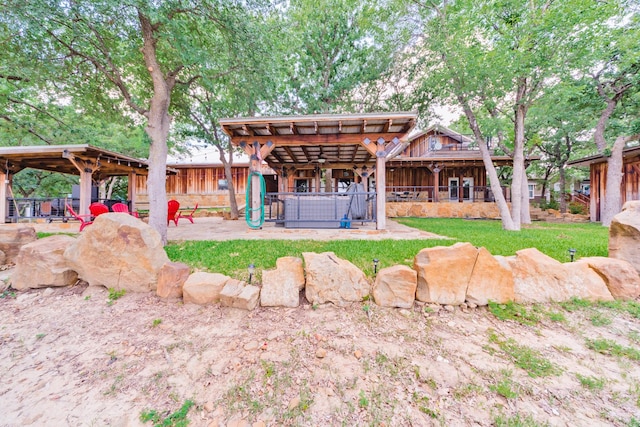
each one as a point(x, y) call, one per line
point(233, 257)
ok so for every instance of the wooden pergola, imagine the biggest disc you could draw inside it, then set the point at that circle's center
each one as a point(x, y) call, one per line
point(90, 163)
point(363, 142)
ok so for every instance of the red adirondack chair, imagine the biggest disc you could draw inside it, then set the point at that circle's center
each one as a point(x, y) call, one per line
point(172, 212)
point(188, 215)
point(123, 208)
point(84, 219)
point(97, 209)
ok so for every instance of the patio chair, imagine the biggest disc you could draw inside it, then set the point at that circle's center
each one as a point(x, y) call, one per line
point(123, 208)
point(97, 209)
point(188, 215)
point(84, 219)
point(172, 212)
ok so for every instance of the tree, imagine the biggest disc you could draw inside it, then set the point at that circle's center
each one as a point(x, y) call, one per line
point(127, 57)
point(337, 51)
point(498, 57)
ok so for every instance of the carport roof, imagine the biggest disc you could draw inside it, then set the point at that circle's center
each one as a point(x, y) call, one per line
point(60, 158)
point(334, 139)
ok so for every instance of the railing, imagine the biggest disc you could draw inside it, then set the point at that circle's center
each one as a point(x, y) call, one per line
point(52, 208)
point(320, 210)
point(442, 194)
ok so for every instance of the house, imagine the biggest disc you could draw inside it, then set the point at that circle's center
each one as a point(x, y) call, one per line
point(441, 165)
point(629, 188)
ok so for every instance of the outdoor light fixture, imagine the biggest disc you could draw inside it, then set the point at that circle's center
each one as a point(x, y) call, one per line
point(572, 253)
point(375, 265)
point(252, 269)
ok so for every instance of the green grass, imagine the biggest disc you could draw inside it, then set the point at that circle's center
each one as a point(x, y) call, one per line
point(232, 257)
point(512, 311)
point(516, 421)
point(177, 419)
point(610, 347)
point(592, 383)
point(525, 357)
point(553, 239)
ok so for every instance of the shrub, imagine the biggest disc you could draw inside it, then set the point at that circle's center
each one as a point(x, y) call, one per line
point(577, 208)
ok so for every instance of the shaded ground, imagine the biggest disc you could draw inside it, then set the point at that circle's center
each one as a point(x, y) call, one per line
point(71, 357)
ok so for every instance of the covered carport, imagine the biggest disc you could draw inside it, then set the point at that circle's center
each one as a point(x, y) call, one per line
point(290, 145)
point(90, 163)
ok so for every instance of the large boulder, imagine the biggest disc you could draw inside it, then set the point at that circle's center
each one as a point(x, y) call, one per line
point(41, 264)
point(622, 280)
point(118, 251)
point(444, 273)
point(203, 288)
point(238, 294)
point(13, 238)
point(281, 287)
point(171, 277)
point(395, 287)
point(331, 279)
point(491, 280)
point(539, 278)
point(624, 234)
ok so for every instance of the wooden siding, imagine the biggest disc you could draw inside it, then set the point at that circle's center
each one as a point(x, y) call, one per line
point(629, 188)
point(198, 180)
point(419, 147)
point(423, 177)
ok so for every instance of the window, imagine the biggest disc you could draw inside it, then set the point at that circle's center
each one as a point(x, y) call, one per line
point(223, 184)
point(532, 191)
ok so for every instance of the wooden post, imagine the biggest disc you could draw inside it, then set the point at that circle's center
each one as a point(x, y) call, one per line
point(460, 189)
point(381, 214)
point(131, 190)
point(85, 191)
point(4, 182)
point(436, 184)
point(328, 180)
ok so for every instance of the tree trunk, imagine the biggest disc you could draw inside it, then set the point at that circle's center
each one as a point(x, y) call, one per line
point(525, 213)
point(233, 204)
point(563, 184)
point(518, 158)
point(157, 128)
point(112, 184)
point(494, 181)
point(612, 194)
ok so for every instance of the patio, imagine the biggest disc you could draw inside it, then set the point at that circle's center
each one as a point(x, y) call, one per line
point(216, 228)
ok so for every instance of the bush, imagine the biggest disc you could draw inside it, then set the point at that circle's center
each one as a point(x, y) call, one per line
point(577, 208)
point(553, 204)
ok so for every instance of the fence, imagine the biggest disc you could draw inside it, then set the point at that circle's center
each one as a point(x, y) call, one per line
point(320, 210)
point(443, 194)
point(51, 209)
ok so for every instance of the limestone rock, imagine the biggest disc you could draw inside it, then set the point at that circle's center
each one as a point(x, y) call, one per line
point(621, 278)
point(624, 234)
point(13, 238)
point(238, 294)
point(203, 288)
point(539, 278)
point(395, 287)
point(281, 287)
point(491, 280)
point(171, 277)
point(444, 273)
point(331, 279)
point(41, 264)
point(118, 251)
point(3, 258)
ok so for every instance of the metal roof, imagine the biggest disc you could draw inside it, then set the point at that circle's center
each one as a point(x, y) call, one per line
point(335, 140)
point(57, 158)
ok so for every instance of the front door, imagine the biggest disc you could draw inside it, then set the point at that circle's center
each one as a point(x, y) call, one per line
point(467, 188)
point(453, 188)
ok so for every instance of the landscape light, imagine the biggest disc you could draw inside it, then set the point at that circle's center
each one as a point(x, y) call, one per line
point(375, 265)
point(572, 253)
point(252, 269)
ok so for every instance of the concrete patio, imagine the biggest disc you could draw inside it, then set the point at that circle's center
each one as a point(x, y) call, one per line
point(216, 228)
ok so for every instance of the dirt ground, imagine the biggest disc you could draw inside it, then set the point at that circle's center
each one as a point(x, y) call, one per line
point(70, 356)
